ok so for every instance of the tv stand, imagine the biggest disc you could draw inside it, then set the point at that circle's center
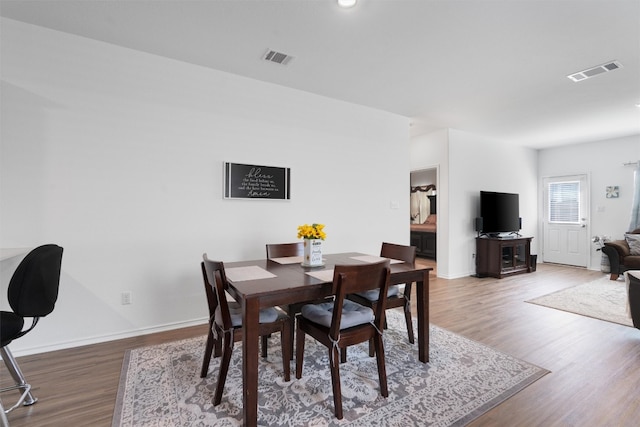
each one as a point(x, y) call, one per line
point(497, 257)
point(511, 235)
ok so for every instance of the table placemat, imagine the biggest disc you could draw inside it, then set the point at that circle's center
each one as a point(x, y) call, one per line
point(288, 260)
point(373, 258)
point(324, 275)
point(251, 272)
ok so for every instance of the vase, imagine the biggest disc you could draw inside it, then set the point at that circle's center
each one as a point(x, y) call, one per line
point(312, 253)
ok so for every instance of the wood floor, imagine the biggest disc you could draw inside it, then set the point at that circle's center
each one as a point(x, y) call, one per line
point(595, 365)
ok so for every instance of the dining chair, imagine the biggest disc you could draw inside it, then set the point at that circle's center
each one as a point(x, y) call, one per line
point(227, 324)
point(396, 296)
point(344, 323)
point(212, 303)
point(283, 250)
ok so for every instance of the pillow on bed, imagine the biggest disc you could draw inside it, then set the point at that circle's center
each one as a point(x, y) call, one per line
point(431, 219)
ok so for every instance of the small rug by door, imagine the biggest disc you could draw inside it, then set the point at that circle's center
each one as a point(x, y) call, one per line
point(160, 385)
point(602, 299)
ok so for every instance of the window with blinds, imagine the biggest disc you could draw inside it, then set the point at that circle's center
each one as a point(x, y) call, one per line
point(564, 202)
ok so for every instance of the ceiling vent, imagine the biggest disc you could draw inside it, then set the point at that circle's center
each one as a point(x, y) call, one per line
point(277, 57)
point(594, 71)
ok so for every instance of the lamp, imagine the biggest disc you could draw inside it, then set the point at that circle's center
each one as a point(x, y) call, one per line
point(347, 3)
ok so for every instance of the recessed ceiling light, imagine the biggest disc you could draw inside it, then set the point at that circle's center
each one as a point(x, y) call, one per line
point(347, 3)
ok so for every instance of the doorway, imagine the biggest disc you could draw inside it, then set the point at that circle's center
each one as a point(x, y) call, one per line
point(423, 197)
point(565, 223)
point(423, 212)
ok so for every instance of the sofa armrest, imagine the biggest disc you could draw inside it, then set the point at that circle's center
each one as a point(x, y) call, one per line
point(620, 246)
point(614, 261)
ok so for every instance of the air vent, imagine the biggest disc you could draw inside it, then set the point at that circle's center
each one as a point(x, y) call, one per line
point(277, 57)
point(594, 71)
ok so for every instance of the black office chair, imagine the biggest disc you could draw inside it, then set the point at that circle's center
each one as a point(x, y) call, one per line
point(33, 291)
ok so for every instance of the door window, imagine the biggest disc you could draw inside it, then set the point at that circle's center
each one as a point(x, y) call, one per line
point(564, 202)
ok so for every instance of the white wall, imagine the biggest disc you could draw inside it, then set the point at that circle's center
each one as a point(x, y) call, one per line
point(116, 155)
point(478, 164)
point(603, 162)
point(432, 151)
point(424, 177)
point(468, 165)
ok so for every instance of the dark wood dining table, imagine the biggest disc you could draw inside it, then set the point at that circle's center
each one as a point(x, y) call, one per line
point(279, 282)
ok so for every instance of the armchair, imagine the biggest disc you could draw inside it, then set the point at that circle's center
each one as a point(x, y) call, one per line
point(621, 257)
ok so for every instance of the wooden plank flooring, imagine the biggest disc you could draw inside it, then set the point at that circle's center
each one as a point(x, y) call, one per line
point(595, 365)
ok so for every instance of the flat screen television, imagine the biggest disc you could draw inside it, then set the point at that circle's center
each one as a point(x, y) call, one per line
point(500, 212)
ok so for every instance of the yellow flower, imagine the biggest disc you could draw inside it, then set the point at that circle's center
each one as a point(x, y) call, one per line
point(313, 231)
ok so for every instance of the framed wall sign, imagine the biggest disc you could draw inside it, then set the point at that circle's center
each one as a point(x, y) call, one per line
point(243, 181)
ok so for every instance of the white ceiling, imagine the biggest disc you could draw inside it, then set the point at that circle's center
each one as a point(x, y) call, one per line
point(496, 68)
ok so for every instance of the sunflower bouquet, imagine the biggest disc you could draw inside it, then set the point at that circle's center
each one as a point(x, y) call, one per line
point(313, 231)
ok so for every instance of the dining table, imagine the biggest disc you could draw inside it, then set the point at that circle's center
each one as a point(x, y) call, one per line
point(263, 283)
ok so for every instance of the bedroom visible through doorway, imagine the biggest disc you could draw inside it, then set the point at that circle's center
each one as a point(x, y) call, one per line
point(423, 212)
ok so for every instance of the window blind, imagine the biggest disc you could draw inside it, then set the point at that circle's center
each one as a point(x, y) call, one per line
point(564, 202)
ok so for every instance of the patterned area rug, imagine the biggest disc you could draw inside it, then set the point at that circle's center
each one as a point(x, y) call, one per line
point(602, 299)
point(161, 386)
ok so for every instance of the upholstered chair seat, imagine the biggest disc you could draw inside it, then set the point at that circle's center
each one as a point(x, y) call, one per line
point(267, 315)
point(374, 294)
point(353, 314)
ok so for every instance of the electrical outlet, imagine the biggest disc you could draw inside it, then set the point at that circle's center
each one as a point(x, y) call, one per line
point(125, 298)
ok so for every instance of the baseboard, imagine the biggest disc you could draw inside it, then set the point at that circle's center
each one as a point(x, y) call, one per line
point(106, 338)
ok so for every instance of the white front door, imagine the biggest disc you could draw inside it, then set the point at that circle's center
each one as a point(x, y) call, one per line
point(565, 224)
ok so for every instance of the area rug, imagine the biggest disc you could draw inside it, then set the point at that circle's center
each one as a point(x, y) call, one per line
point(160, 385)
point(602, 299)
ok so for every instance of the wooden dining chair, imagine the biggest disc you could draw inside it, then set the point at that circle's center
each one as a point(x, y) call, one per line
point(344, 323)
point(212, 303)
point(396, 296)
point(283, 250)
point(226, 325)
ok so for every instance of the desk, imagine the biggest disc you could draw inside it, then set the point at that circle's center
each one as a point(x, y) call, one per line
point(292, 285)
